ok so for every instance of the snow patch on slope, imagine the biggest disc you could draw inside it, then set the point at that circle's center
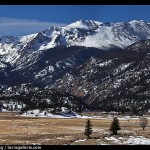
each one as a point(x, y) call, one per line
point(139, 140)
point(48, 69)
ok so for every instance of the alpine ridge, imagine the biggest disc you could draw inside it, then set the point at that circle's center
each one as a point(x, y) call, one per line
point(116, 81)
point(105, 64)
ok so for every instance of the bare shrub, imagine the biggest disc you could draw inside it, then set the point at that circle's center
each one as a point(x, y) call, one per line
point(143, 122)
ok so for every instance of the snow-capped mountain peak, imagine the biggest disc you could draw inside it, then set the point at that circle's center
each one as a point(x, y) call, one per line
point(85, 24)
point(136, 21)
point(87, 33)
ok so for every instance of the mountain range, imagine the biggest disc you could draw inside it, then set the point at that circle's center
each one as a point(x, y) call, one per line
point(106, 64)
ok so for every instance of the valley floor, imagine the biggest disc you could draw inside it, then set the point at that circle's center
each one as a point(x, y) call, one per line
point(21, 130)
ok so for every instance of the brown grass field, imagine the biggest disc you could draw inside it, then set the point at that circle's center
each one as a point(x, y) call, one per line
point(49, 131)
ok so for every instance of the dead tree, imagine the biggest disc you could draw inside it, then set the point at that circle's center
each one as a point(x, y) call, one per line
point(143, 122)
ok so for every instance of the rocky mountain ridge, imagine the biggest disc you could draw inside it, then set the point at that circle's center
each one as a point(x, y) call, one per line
point(105, 64)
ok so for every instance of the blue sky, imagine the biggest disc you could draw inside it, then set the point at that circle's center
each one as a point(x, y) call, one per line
point(18, 20)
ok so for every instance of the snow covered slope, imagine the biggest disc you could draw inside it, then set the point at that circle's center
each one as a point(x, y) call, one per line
point(86, 33)
point(91, 33)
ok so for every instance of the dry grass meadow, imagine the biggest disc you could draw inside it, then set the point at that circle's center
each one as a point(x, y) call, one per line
point(49, 131)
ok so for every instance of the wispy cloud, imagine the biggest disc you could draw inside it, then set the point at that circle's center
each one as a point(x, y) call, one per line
point(18, 27)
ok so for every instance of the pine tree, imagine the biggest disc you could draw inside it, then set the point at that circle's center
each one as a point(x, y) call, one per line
point(115, 126)
point(88, 129)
